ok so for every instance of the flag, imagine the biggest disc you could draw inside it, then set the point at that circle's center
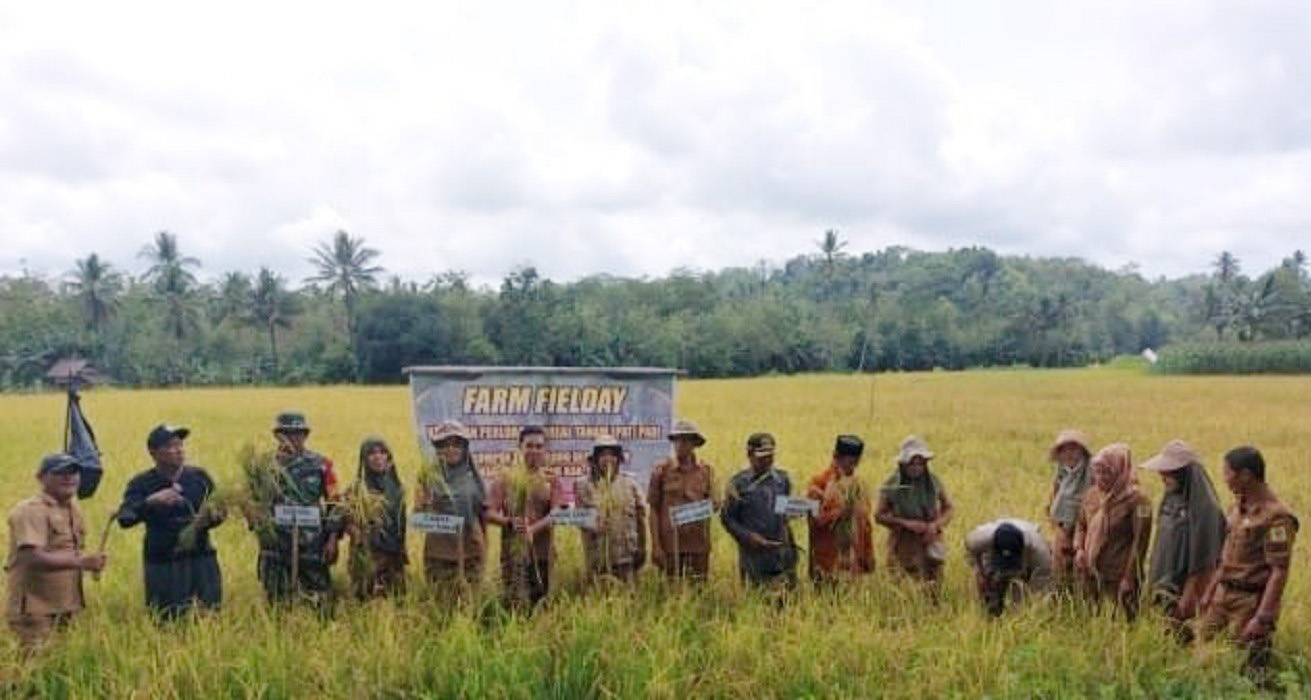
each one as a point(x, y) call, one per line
point(80, 441)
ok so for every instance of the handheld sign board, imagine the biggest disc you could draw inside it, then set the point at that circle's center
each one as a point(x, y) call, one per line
point(437, 524)
point(297, 516)
point(574, 517)
point(693, 512)
point(792, 507)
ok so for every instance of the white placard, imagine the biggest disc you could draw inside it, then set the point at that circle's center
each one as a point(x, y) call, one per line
point(297, 516)
point(793, 507)
point(437, 523)
point(574, 517)
point(693, 512)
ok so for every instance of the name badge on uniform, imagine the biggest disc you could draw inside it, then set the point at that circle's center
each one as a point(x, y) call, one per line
point(574, 517)
point(297, 516)
point(793, 507)
point(437, 523)
point(693, 512)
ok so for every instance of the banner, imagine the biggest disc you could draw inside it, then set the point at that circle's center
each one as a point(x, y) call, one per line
point(573, 405)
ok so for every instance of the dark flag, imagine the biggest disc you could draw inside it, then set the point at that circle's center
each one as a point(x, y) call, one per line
point(80, 441)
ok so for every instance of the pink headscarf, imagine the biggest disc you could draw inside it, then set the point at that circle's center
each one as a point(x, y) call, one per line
point(1123, 487)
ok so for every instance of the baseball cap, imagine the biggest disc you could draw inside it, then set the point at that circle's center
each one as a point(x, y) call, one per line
point(161, 434)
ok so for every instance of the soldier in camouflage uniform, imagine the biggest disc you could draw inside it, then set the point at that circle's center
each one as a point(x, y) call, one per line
point(309, 480)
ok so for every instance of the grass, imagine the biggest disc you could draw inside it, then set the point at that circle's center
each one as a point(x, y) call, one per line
point(878, 637)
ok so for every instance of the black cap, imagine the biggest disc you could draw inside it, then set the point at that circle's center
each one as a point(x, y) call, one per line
point(760, 444)
point(162, 434)
point(1008, 546)
point(848, 446)
point(58, 463)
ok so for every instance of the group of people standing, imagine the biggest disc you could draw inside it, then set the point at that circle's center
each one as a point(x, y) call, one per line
point(1207, 571)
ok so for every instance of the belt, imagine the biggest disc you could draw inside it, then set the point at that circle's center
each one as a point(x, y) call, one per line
point(1243, 586)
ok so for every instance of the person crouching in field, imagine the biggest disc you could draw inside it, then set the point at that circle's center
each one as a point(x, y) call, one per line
point(1011, 560)
point(377, 554)
point(1111, 537)
point(1246, 593)
point(616, 547)
point(676, 481)
point(842, 532)
point(1070, 453)
point(453, 486)
point(1190, 532)
point(296, 562)
point(170, 498)
point(767, 552)
point(46, 561)
point(521, 502)
point(915, 508)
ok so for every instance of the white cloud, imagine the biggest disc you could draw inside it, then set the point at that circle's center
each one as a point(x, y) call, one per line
point(604, 137)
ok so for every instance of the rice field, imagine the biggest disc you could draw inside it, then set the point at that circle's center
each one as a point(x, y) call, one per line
point(876, 638)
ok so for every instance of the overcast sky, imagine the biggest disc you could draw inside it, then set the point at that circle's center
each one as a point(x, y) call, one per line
point(633, 139)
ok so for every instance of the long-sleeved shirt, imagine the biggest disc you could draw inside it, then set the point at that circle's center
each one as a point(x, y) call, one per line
point(748, 508)
point(164, 522)
point(1036, 563)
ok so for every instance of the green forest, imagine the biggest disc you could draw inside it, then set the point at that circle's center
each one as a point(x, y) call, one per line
point(826, 309)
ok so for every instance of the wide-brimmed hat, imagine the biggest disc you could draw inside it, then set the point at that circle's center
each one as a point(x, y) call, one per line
point(446, 430)
point(1069, 436)
point(1175, 455)
point(688, 429)
point(760, 445)
point(607, 442)
point(163, 434)
point(913, 446)
point(291, 422)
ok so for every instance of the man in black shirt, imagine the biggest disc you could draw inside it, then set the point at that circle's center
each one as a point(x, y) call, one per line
point(181, 566)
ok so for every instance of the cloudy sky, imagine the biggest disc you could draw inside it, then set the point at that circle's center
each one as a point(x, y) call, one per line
point(636, 138)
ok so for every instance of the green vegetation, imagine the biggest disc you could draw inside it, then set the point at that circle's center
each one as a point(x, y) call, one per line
point(1273, 357)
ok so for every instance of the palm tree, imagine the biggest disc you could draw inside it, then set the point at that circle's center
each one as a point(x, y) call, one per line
point(233, 296)
point(97, 287)
point(172, 283)
point(830, 246)
point(344, 264)
point(1226, 267)
point(270, 307)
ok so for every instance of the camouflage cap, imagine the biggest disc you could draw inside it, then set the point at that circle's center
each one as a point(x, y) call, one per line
point(688, 429)
point(446, 430)
point(1175, 455)
point(291, 422)
point(760, 444)
point(607, 442)
point(914, 446)
point(58, 463)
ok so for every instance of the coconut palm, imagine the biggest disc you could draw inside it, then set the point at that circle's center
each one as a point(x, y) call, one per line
point(270, 307)
point(96, 286)
point(172, 283)
point(344, 265)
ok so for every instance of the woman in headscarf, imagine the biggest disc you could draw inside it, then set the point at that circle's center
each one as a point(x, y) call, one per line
point(453, 486)
point(1113, 531)
point(378, 559)
point(616, 546)
point(1069, 451)
point(915, 509)
point(1190, 532)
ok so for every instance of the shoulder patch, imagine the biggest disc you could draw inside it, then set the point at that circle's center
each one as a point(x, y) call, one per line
point(1278, 534)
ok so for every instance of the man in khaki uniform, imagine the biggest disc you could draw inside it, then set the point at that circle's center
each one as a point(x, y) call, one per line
point(1245, 596)
point(675, 481)
point(46, 561)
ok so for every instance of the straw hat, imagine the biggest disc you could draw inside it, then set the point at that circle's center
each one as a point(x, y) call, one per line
point(1175, 455)
point(914, 446)
point(686, 428)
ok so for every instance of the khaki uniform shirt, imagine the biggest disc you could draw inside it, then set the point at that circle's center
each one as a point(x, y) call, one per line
point(1260, 536)
point(673, 484)
point(621, 514)
point(1126, 539)
point(541, 497)
point(42, 522)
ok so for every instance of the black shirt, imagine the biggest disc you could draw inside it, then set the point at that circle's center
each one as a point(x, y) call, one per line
point(163, 523)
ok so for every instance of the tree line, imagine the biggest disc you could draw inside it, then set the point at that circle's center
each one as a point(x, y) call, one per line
point(824, 310)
